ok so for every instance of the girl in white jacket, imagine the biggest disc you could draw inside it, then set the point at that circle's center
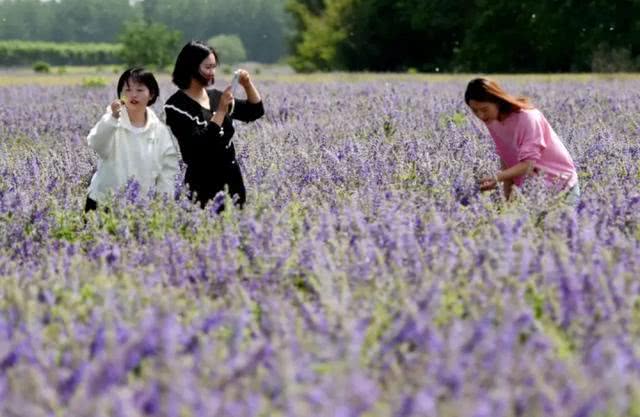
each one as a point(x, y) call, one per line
point(132, 142)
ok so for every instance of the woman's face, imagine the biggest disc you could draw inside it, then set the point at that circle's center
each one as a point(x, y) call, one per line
point(485, 110)
point(208, 69)
point(136, 96)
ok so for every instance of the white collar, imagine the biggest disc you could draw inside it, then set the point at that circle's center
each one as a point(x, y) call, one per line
point(125, 122)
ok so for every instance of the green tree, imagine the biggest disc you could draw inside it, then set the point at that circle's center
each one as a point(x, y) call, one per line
point(152, 45)
point(561, 35)
point(464, 35)
point(491, 45)
point(263, 25)
point(377, 34)
point(321, 34)
point(229, 48)
point(89, 20)
point(421, 34)
point(265, 28)
point(25, 20)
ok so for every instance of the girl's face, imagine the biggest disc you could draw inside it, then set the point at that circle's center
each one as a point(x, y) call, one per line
point(136, 96)
point(208, 69)
point(485, 110)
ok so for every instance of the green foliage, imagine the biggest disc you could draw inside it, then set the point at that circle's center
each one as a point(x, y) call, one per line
point(42, 67)
point(263, 25)
point(16, 53)
point(152, 45)
point(412, 34)
point(229, 48)
point(456, 119)
point(92, 82)
point(465, 35)
point(317, 47)
point(606, 59)
point(64, 20)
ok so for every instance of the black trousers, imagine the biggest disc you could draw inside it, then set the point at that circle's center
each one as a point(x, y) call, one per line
point(92, 205)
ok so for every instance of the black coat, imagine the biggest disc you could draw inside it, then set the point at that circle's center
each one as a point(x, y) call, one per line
point(207, 149)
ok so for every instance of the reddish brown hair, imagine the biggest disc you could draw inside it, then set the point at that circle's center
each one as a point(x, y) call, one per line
point(484, 89)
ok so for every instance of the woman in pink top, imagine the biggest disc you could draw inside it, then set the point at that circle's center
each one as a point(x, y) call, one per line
point(525, 142)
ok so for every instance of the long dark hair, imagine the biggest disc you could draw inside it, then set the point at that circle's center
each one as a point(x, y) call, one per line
point(484, 89)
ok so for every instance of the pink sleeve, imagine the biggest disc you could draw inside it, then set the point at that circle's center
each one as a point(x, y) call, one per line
point(530, 137)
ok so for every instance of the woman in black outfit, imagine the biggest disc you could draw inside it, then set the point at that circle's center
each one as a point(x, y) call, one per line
point(201, 121)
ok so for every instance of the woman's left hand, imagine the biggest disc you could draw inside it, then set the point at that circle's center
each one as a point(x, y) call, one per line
point(244, 79)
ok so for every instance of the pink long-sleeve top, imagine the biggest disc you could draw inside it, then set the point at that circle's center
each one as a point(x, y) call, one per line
point(527, 136)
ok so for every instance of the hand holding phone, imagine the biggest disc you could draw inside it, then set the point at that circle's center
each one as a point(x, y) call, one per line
point(235, 81)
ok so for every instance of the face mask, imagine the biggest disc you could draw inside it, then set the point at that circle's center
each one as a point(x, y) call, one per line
point(204, 80)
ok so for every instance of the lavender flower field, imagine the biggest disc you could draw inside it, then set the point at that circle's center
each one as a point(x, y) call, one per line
point(365, 277)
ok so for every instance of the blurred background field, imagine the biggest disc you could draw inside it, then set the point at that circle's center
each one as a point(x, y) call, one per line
point(108, 74)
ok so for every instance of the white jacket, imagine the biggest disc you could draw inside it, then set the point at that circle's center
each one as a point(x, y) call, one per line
point(148, 154)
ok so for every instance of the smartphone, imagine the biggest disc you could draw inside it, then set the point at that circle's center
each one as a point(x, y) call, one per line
point(234, 82)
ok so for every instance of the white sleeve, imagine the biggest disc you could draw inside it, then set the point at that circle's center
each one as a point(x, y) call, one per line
point(101, 137)
point(165, 182)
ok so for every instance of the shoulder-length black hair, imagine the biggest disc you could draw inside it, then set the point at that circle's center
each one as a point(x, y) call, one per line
point(188, 62)
point(141, 76)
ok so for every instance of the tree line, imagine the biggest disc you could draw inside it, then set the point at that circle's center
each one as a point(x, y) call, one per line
point(466, 35)
point(262, 25)
point(370, 35)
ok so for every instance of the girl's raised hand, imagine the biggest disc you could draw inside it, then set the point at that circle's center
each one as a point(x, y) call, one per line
point(116, 106)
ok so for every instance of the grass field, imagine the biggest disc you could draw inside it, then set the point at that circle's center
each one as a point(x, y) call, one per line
point(76, 76)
